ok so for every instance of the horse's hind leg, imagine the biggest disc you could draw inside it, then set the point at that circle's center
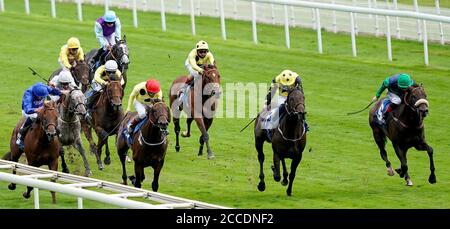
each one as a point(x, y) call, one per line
point(284, 182)
point(429, 149)
point(259, 148)
point(205, 138)
point(14, 156)
point(176, 123)
point(295, 162)
point(53, 166)
point(122, 149)
point(79, 146)
point(380, 139)
point(403, 170)
point(65, 169)
point(157, 169)
point(107, 159)
point(186, 134)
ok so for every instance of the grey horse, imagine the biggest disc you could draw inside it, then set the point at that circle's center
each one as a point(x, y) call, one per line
point(72, 106)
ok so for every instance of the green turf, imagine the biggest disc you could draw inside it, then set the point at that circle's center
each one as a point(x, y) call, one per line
point(343, 170)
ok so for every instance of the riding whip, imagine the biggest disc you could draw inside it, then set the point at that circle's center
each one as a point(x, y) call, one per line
point(356, 112)
point(248, 124)
point(37, 74)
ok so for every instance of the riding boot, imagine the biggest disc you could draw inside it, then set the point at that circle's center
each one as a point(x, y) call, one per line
point(22, 132)
point(184, 91)
point(132, 124)
point(90, 104)
point(95, 59)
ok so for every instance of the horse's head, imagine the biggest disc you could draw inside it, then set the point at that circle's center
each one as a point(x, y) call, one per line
point(159, 116)
point(120, 52)
point(211, 80)
point(295, 103)
point(416, 99)
point(74, 102)
point(114, 91)
point(81, 72)
point(47, 117)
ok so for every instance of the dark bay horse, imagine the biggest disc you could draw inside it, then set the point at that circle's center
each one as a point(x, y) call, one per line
point(106, 117)
point(149, 144)
point(80, 73)
point(71, 110)
point(405, 128)
point(202, 100)
point(288, 140)
point(41, 143)
point(119, 52)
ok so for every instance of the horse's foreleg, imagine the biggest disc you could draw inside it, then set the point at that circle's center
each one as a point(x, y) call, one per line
point(202, 142)
point(259, 147)
point(177, 128)
point(88, 133)
point(53, 166)
point(107, 159)
point(65, 169)
point(205, 137)
point(429, 149)
point(284, 182)
point(295, 162)
point(157, 169)
point(139, 172)
point(186, 134)
point(122, 149)
point(79, 146)
point(380, 139)
point(276, 165)
point(403, 170)
point(102, 139)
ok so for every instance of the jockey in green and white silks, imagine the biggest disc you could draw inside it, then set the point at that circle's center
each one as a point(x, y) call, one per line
point(396, 85)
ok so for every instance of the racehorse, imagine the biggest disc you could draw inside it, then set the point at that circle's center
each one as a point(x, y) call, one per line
point(405, 128)
point(201, 105)
point(106, 117)
point(119, 53)
point(70, 107)
point(149, 144)
point(80, 74)
point(288, 140)
point(41, 143)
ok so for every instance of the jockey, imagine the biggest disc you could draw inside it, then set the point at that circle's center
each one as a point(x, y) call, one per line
point(32, 101)
point(282, 83)
point(101, 75)
point(396, 85)
point(144, 93)
point(107, 30)
point(70, 53)
point(198, 56)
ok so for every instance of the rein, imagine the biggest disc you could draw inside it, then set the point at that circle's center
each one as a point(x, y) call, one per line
point(141, 137)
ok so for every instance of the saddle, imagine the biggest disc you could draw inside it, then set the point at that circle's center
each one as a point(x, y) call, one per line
point(129, 138)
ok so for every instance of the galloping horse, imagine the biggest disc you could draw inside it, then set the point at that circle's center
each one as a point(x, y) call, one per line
point(119, 53)
point(41, 143)
point(80, 73)
point(288, 141)
point(405, 128)
point(201, 105)
point(70, 107)
point(149, 144)
point(106, 117)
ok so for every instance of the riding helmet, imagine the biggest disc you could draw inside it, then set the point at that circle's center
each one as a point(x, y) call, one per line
point(202, 45)
point(110, 16)
point(111, 65)
point(73, 43)
point(40, 90)
point(152, 86)
point(287, 77)
point(404, 81)
point(65, 77)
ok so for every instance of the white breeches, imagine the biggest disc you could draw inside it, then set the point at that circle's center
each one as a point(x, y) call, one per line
point(140, 108)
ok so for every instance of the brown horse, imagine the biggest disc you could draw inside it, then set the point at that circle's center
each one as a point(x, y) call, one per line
point(80, 73)
point(201, 107)
point(405, 128)
point(149, 144)
point(106, 117)
point(288, 141)
point(41, 143)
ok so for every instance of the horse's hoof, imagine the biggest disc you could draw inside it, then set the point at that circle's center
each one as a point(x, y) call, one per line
point(261, 186)
point(284, 182)
point(132, 179)
point(65, 170)
point(185, 134)
point(107, 161)
point(289, 193)
point(432, 179)
point(211, 156)
point(200, 153)
point(100, 167)
point(390, 171)
point(409, 182)
point(87, 173)
point(177, 148)
point(26, 195)
point(276, 178)
point(12, 186)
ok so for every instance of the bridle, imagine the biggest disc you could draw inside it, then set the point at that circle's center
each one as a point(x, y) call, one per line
point(293, 112)
point(45, 125)
point(162, 129)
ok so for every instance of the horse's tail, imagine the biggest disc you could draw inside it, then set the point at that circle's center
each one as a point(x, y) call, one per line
point(7, 156)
